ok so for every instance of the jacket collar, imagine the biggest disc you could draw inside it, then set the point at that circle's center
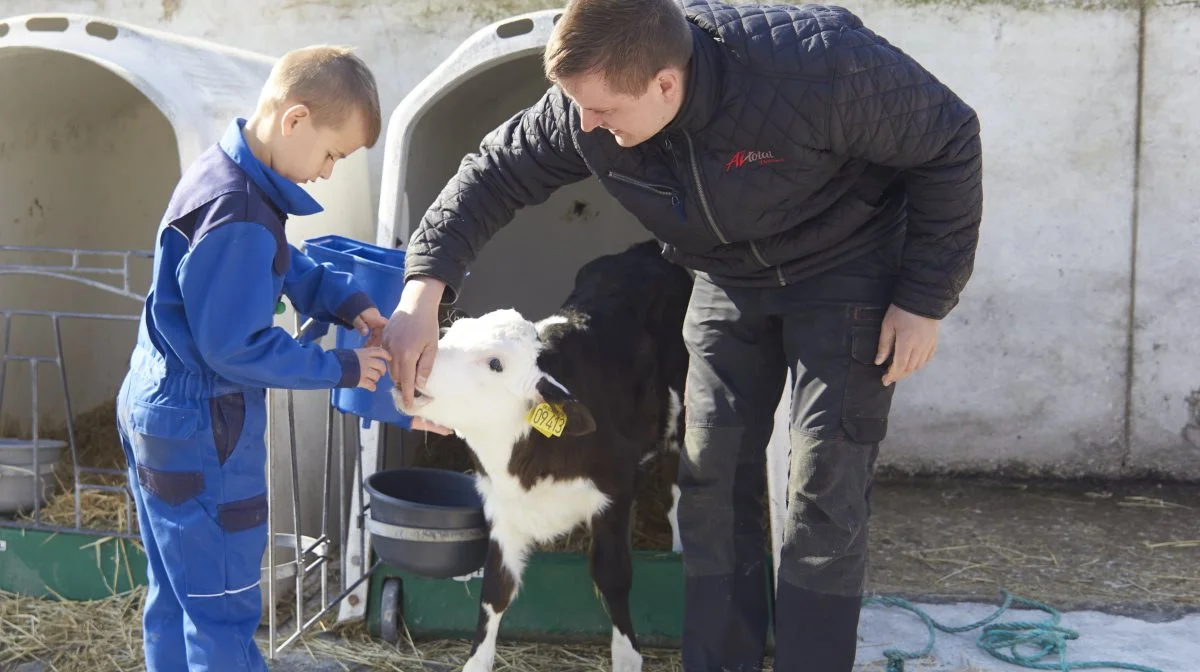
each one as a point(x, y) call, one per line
point(702, 94)
point(287, 196)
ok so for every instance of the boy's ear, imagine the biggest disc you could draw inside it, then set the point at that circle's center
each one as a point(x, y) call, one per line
point(292, 117)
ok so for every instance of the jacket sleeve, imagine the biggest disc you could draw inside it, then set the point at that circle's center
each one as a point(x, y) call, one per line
point(316, 290)
point(890, 111)
point(229, 299)
point(520, 163)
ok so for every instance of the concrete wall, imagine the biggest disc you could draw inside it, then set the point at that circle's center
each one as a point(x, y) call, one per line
point(1071, 352)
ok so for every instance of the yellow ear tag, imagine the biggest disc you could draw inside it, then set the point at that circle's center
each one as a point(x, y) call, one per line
point(547, 419)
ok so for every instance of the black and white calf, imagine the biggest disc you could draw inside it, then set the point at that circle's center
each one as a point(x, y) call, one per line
point(613, 359)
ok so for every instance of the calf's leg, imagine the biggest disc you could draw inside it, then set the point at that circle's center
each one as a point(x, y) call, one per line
point(612, 570)
point(499, 591)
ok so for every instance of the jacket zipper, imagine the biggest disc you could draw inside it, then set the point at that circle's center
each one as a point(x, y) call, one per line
point(708, 216)
point(659, 189)
point(712, 222)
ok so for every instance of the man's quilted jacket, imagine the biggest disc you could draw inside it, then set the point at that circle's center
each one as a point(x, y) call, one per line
point(804, 140)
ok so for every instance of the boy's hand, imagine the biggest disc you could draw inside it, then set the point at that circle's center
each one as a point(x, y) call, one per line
point(372, 365)
point(370, 323)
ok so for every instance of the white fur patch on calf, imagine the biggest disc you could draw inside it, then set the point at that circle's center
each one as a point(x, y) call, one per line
point(550, 322)
point(671, 438)
point(485, 655)
point(625, 658)
point(520, 518)
point(673, 518)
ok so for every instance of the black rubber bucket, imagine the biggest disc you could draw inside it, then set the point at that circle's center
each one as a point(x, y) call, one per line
point(428, 522)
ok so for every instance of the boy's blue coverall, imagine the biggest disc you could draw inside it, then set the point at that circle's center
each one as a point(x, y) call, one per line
point(192, 410)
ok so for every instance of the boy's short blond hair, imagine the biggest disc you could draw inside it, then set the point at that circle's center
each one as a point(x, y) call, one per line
point(331, 81)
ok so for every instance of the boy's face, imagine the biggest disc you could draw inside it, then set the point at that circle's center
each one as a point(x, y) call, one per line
point(306, 151)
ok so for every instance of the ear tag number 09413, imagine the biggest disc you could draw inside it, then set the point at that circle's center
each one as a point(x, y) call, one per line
point(547, 419)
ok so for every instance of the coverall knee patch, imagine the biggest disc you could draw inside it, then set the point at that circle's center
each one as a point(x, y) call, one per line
point(243, 514)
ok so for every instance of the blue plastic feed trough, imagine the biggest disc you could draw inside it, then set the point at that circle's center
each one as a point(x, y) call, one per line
point(427, 522)
point(380, 271)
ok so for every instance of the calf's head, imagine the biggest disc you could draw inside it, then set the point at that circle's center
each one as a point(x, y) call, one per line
point(486, 379)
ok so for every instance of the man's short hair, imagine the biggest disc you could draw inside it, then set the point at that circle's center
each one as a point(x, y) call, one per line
point(331, 81)
point(627, 41)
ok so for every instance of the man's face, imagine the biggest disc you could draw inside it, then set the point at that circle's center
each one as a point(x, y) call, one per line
point(631, 119)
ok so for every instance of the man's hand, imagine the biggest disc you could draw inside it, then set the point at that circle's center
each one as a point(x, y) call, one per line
point(370, 323)
point(914, 338)
point(411, 335)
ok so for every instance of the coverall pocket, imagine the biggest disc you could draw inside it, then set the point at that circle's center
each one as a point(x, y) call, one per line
point(168, 466)
point(866, 401)
point(228, 419)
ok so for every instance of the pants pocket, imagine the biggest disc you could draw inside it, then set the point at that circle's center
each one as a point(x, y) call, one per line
point(162, 442)
point(228, 419)
point(866, 402)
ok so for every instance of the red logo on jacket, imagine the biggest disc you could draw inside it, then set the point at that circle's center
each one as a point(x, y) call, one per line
point(742, 157)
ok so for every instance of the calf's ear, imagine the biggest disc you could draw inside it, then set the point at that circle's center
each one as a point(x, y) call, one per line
point(579, 418)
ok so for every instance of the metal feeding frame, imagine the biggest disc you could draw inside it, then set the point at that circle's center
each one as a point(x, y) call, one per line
point(81, 267)
point(110, 271)
point(318, 547)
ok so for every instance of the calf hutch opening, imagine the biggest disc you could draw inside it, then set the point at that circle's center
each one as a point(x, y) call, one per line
point(529, 265)
point(87, 164)
point(98, 119)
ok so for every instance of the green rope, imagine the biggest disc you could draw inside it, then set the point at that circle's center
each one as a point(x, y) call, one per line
point(1002, 640)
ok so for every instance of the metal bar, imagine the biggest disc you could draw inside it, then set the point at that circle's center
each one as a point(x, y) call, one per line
point(4, 358)
point(30, 358)
point(77, 250)
point(13, 269)
point(327, 504)
point(62, 374)
point(291, 411)
point(366, 575)
point(37, 476)
point(295, 464)
point(102, 471)
point(270, 530)
point(10, 312)
point(73, 278)
point(96, 487)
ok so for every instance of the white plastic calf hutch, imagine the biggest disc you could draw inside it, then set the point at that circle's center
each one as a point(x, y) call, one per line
point(530, 264)
point(97, 120)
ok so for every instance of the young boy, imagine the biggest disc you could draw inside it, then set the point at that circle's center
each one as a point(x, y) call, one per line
point(192, 410)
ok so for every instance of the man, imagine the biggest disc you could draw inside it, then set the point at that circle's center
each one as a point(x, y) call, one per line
point(826, 190)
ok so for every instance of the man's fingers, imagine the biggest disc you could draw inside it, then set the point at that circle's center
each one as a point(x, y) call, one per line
point(425, 364)
point(887, 337)
point(901, 360)
point(408, 371)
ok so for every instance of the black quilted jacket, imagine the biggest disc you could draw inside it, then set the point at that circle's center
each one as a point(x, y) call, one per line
point(804, 141)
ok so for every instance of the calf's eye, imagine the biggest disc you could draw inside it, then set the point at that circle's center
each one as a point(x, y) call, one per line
point(495, 365)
